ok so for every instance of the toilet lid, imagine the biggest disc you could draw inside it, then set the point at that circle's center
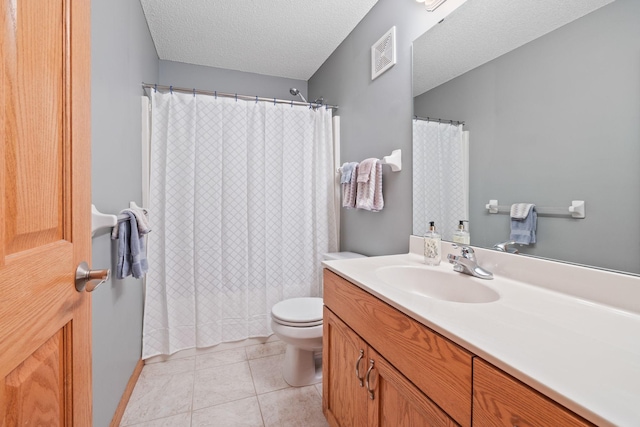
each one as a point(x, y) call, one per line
point(298, 312)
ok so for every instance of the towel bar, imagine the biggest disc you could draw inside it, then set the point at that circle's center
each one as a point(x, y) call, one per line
point(101, 220)
point(576, 210)
point(394, 160)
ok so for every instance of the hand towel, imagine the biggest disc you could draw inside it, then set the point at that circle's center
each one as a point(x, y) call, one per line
point(524, 220)
point(364, 169)
point(132, 258)
point(521, 210)
point(349, 189)
point(123, 265)
point(347, 170)
point(378, 201)
point(369, 192)
point(142, 219)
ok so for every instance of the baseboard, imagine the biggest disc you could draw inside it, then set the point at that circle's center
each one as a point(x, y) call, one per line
point(117, 417)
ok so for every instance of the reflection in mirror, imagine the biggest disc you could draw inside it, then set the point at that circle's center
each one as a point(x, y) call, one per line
point(441, 170)
point(554, 120)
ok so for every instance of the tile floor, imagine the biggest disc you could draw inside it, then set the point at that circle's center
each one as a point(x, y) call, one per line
point(241, 387)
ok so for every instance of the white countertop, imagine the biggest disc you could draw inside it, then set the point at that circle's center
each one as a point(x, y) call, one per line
point(560, 338)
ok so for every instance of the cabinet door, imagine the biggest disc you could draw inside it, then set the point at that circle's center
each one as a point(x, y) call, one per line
point(501, 400)
point(395, 402)
point(344, 354)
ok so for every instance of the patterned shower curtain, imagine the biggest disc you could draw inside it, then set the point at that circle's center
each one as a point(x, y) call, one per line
point(440, 177)
point(242, 207)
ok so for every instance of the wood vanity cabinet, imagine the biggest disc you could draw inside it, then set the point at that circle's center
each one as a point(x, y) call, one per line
point(501, 400)
point(411, 376)
point(362, 389)
point(417, 377)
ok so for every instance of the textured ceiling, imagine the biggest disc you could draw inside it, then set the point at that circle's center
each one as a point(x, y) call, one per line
point(284, 38)
point(481, 30)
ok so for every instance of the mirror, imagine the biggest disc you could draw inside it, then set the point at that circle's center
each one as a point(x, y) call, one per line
point(554, 120)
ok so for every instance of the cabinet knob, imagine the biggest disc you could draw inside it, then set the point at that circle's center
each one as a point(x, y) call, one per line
point(371, 395)
point(358, 368)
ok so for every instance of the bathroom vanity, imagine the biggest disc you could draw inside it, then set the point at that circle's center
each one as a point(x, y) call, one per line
point(498, 353)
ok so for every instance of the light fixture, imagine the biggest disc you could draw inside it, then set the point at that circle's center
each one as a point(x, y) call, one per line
point(431, 5)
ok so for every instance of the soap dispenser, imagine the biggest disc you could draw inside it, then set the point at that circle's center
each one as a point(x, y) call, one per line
point(461, 236)
point(432, 245)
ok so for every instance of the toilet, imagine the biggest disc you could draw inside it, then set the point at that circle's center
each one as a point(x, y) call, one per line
point(298, 323)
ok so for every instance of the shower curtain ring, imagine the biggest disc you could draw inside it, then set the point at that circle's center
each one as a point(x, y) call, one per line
point(194, 92)
point(256, 99)
point(155, 87)
point(236, 97)
point(171, 89)
point(215, 94)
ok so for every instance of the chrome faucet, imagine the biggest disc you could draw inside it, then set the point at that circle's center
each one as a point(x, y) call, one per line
point(466, 263)
point(504, 247)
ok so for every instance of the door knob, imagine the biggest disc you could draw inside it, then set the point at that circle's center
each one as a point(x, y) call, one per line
point(89, 280)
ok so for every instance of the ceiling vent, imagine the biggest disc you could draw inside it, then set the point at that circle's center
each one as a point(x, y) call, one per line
point(383, 53)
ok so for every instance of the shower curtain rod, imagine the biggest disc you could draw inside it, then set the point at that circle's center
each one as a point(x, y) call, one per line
point(235, 95)
point(432, 119)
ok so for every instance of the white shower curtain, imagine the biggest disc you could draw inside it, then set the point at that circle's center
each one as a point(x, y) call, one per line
point(242, 208)
point(440, 177)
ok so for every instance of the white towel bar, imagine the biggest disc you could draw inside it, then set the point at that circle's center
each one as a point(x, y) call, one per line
point(101, 220)
point(576, 210)
point(394, 160)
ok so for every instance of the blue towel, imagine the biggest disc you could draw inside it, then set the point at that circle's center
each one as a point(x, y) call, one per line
point(523, 231)
point(347, 171)
point(132, 257)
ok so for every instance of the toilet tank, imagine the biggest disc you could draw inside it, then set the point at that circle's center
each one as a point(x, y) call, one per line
point(341, 255)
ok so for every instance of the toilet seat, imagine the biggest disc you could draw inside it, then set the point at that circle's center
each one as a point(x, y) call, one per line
point(298, 312)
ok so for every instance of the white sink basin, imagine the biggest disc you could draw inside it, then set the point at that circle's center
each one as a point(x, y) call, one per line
point(438, 284)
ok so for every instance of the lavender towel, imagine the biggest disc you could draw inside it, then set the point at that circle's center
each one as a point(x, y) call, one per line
point(364, 169)
point(369, 193)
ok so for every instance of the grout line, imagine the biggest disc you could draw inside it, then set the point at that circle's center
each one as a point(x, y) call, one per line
point(254, 388)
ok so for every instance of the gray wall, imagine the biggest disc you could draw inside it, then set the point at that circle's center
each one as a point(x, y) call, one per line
point(375, 119)
point(122, 55)
point(208, 78)
point(553, 121)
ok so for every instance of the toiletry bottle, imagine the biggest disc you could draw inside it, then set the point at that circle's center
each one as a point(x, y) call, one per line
point(432, 245)
point(461, 236)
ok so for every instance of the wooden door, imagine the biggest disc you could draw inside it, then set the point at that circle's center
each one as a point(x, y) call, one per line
point(45, 324)
point(395, 402)
point(343, 396)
